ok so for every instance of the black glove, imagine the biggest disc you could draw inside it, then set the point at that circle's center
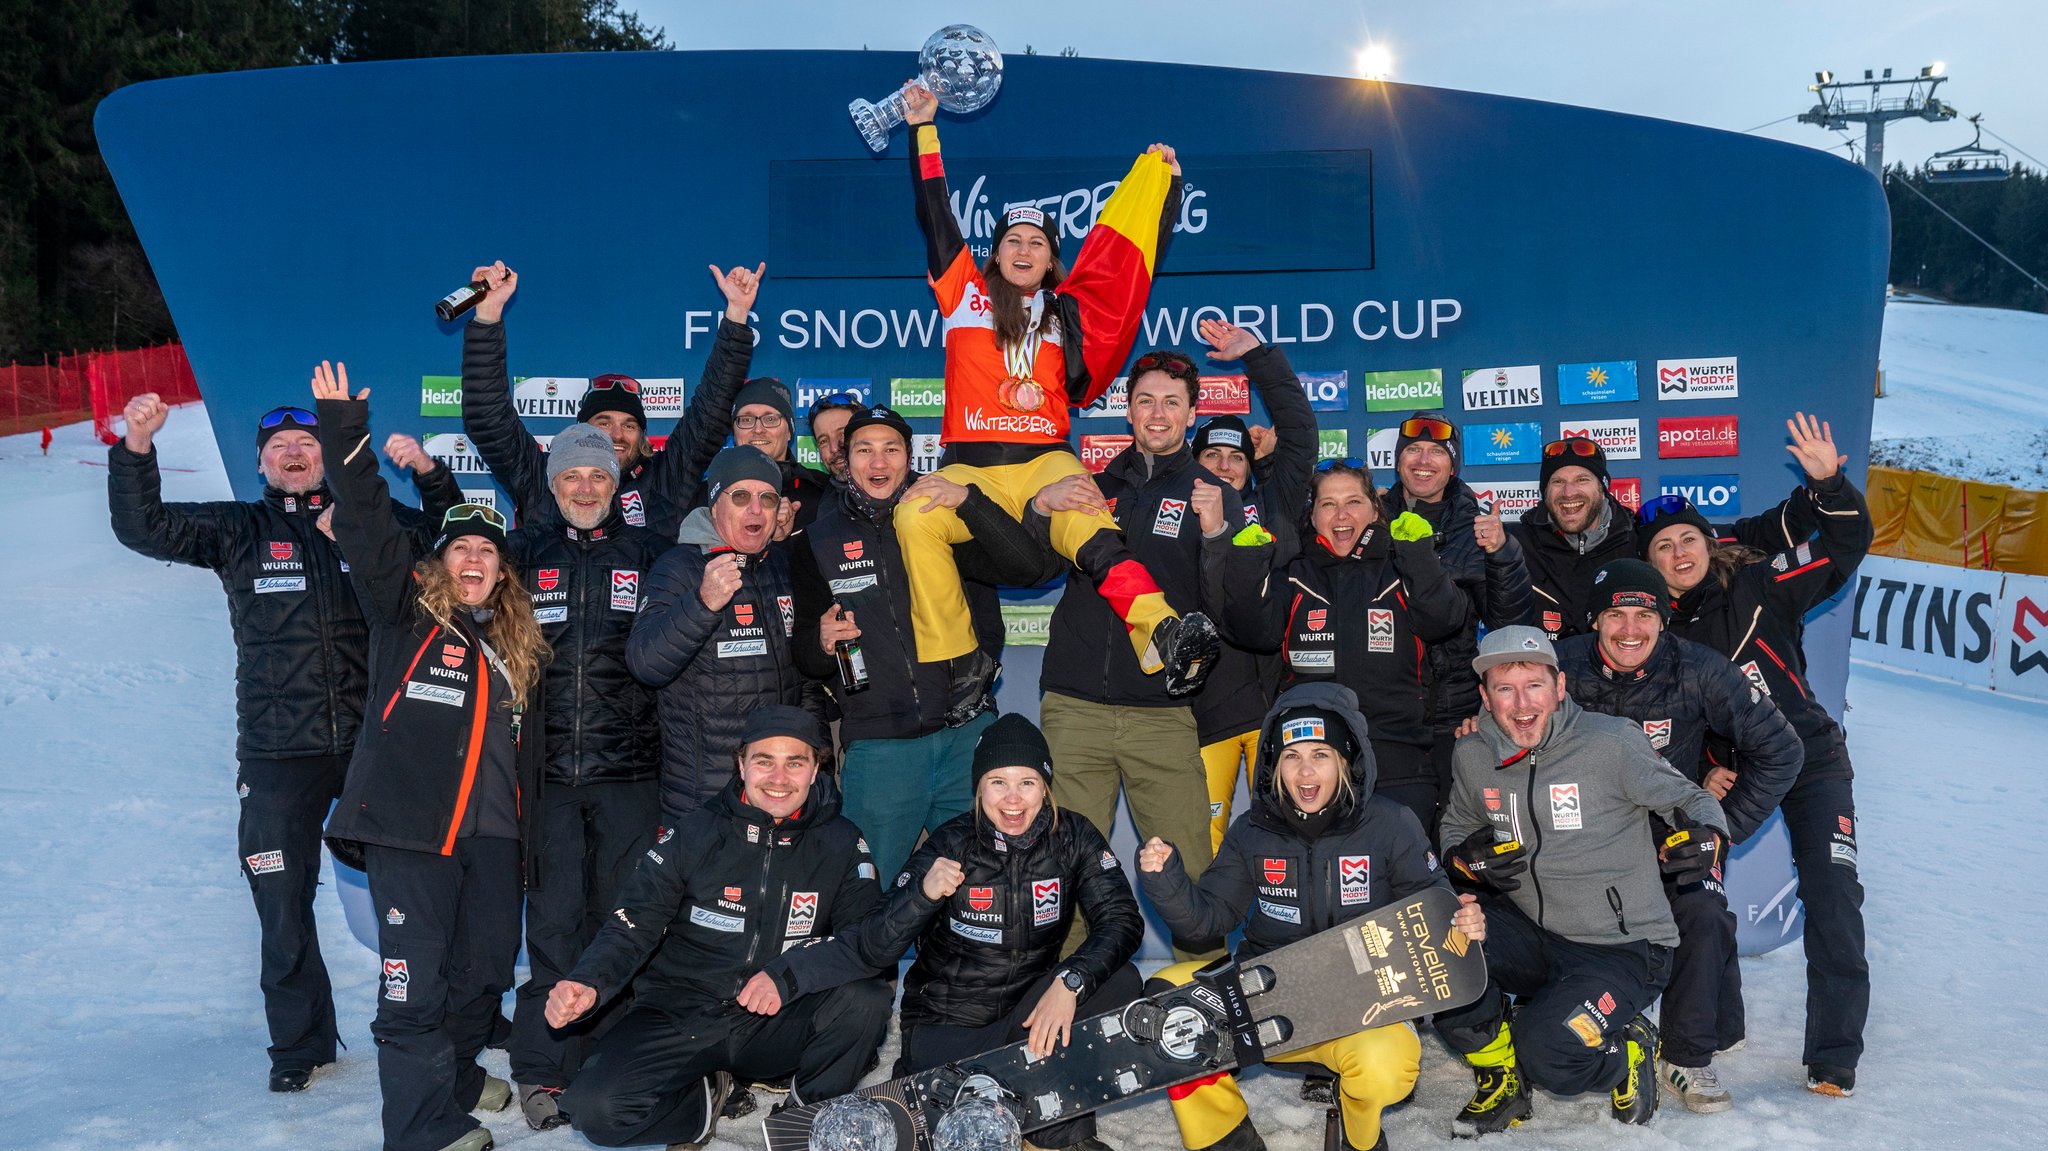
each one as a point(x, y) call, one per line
point(1692, 854)
point(1484, 861)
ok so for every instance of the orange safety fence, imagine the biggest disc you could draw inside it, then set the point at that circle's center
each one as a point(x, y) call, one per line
point(91, 384)
point(1940, 519)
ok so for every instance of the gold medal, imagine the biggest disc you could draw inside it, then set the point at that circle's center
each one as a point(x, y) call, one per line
point(1021, 395)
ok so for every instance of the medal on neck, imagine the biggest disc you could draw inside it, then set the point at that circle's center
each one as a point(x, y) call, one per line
point(1018, 391)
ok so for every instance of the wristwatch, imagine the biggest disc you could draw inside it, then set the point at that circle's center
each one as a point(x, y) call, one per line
point(1073, 980)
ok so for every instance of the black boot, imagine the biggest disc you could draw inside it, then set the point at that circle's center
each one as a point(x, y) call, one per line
point(1635, 1100)
point(1499, 1101)
point(973, 686)
point(1189, 646)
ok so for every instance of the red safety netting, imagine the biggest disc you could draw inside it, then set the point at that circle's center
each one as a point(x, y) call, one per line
point(91, 384)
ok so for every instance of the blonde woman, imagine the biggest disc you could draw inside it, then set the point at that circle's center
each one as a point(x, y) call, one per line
point(440, 784)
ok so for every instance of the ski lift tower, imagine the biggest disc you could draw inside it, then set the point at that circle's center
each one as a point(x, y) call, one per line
point(1839, 108)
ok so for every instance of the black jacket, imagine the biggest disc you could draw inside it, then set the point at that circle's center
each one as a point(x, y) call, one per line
point(710, 668)
point(849, 556)
point(300, 640)
point(724, 891)
point(980, 949)
point(1757, 621)
point(1089, 654)
point(1292, 885)
point(1366, 620)
point(1495, 586)
point(1560, 575)
point(418, 775)
point(809, 487)
point(1241, 685)
point(1679, 695)
point(655, 493)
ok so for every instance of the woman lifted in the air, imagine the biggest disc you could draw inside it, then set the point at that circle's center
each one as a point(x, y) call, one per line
point(1025, 340)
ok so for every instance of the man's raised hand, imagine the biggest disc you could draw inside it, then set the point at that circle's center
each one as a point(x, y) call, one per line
point(404, 451)
point(145, 415)
point(330, 382)
point(1227, 341)
point(740, 287)
point(499, 283)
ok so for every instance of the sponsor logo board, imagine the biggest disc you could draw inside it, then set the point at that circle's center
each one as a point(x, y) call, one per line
point(1489, 389)
point(1690, 437)
point(1404, 390)
point(1618, 439)
point(1596, 382)
point(1713, 378)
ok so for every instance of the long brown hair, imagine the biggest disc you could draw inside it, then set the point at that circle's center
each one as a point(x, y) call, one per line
point(1725, 559)
point(1008, 309)
point(512, 631)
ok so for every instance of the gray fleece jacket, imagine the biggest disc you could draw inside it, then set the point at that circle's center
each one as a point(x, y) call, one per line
point(1580, 802)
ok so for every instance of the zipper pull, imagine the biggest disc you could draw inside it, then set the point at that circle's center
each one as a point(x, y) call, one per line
point(1614, 901)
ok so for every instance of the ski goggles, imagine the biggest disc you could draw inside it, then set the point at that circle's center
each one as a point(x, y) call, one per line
point(277, 417)
point(1575, 446)
point(1349, 463)
point(1662, 506)
point(626, 384)
point(847, 401)
point(1172, 363)
point(463, 513)
point(1427, 428)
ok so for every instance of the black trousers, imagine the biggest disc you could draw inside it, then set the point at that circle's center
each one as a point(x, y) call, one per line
point(1702, 1009)
point(448, 933)
point(591, 836)
point(1820, 815)
point(928, 1045)
point(284, 806)
point(1573, 1000)
point(649, 1079)
point(1407, 775)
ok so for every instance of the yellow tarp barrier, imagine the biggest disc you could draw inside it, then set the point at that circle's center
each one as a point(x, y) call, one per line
point(1940, 519)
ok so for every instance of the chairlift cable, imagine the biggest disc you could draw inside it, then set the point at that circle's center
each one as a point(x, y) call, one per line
point(1908, 185)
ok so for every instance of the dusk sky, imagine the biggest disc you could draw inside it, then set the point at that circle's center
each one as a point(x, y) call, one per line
point(1734, 64)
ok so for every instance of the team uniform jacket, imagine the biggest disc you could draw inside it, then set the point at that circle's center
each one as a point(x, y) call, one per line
point(1580, 803)
point(1289, 886)
point(850, 557)
point(1560, 575)
point(723, 891)
point(1089, 655)
point(980, 949)
point(432, 689)
point(1679, 695)
point(1235, 698)
point(300, 639)
point(655, 493)
point(809, 487)
point(1092, 311)
point(1757, 621)
point(710, 668)
point(1365, 620)
point(1495, 586)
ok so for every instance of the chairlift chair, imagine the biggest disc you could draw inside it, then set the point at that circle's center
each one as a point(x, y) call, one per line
point(1971, 163)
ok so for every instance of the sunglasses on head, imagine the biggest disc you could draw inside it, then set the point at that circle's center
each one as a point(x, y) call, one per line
point(623, 383)
point(461, 512)
point(276, 416)
point(1427, 428)
point(1575, 446)
point(1172, 363)
point(745, 497)
point(1351, 462)
point(836, 400)
point(1660, 507)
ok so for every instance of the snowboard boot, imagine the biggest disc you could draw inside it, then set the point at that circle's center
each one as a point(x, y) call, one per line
point(1319, 1088)
point(284, 1080)
point(972, 690)
point(1699, 1088)
point(1500, 1099)
point(1243, 1137)
point(1634, 1100)
point(541, 1107)
point(1825, 1079)
point(477, 1140)
point(718, 1088)
point(497, 1095)
point(739, 1104)
point(1188, 645)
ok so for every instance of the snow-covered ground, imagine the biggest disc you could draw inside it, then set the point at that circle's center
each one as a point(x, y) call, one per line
point(129, 1015)
point(1966, 393)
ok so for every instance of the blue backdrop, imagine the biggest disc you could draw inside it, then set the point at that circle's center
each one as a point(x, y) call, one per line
point(1526, 267)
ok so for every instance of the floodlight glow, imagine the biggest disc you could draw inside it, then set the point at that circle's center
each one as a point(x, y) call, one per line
point(1375, 62)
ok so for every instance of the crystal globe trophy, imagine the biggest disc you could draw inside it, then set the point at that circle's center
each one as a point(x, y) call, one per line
point(853, 1123)
point(977, 1123)
point(961, 66)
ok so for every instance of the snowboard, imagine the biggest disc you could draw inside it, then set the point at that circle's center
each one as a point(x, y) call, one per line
point(1387, 966)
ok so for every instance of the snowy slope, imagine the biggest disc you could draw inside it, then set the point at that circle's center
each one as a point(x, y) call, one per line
point(128, 1000)
point(1967, 393)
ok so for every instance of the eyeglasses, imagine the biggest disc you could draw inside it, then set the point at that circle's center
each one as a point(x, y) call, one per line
point(1172, 363)
point(1426, 428)
point(1575, 445)
point(276, 416)
point(1660, 507)
point(1351, 462)
point(771, 421)
point(484, 512)
point(623, 383)
point(745, 498)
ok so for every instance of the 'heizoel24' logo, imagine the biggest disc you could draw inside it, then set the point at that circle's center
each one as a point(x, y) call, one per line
point(1713, 495)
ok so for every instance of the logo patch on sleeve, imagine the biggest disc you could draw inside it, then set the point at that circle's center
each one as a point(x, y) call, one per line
point(1659, 731)
point(266, 862)
point(787, 606)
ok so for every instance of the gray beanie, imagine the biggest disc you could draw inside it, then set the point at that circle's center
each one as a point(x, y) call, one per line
point(740, 462)
point(582, 446)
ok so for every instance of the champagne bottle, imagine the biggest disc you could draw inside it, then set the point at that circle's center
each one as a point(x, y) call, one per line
point(853, 667)
point(460, 300)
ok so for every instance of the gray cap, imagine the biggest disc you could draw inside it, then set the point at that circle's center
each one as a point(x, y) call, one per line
point(740, 462)
point(1518, 644)
point(582, 446)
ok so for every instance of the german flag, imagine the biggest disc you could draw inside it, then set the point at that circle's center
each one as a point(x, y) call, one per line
point(1112, 276)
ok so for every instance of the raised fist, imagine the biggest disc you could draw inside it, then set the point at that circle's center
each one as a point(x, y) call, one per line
point(944, 878)
point(145, 415)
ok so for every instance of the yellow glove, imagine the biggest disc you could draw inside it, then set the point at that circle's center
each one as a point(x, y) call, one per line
point(1408, 527)
point(1252, 536)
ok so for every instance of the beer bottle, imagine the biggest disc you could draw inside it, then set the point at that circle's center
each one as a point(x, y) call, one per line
point(460, 300)
point(853, 667)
